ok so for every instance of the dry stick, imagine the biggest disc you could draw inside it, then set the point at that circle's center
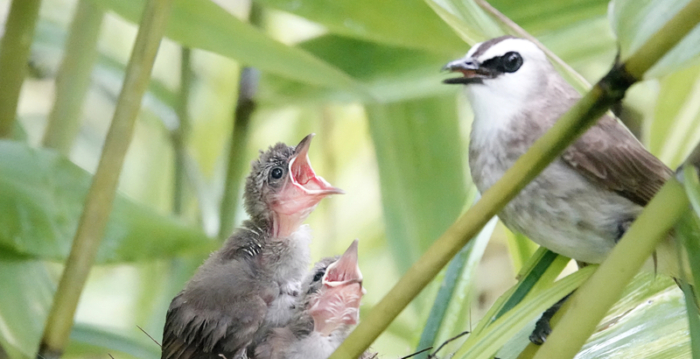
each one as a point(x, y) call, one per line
point(568, 128)
point(580, 80)
point(73, 79)
point(98, 203)
point(148, 335)
point(14, 55)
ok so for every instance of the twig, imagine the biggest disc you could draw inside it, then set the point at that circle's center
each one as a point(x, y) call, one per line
point(153, 339)
point(433, 355)
point(416, 353)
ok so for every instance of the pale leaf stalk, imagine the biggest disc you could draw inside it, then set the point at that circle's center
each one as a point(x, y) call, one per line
point(14, 56)
point(100, 197)
point(73, 78)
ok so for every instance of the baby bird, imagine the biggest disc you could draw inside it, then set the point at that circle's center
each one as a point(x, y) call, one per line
point(328, 310)
point(252, 282)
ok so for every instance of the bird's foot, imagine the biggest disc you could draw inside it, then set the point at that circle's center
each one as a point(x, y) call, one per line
point(543, 327)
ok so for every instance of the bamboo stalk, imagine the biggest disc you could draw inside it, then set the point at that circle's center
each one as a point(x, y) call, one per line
point(73, 77)
point(179, 136)
point(589, 304)
point(245, 105)
point(98, 203)
point(14, 55)
point(569, 127)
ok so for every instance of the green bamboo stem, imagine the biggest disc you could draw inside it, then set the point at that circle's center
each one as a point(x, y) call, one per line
point(14, 55)
point(73, 79)
point(569, 127)
point(595, 297)
point(98, 203)
point(179, 136)
point(245, 105)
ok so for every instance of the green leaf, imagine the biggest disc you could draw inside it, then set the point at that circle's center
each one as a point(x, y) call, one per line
point(419, 155)
point(634, 21)
point(467, 19)
point(486, 344)
point(27, 292)
point(89, 339)
point(203, 24)
point(675, 127)
point(456, 292)
point(545, 15)
point(389, 73)
point(406, 23)
point(41, 199)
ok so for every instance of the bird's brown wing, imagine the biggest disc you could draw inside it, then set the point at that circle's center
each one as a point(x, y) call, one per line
point(610, 156)
point(219, 317)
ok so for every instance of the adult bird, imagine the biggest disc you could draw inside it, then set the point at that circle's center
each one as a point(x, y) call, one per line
point(253, 281)
point(328, 309)
point(585, 200)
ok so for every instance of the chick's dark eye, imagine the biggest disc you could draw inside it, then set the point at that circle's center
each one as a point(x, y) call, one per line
point(276, 173)
point(512, 61)
point(318, 276)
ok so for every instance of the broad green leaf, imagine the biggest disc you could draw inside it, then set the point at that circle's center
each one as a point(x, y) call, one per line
point(487, 343)
point(540, 16)
point(635, 21)
point(456, 292)
point(41, 199)
point(419, 154)
point(203, 24)
point(389, 73)
point(656, 328)
point(95, 341)
point(467, 19)
point(27, 292)
point(405, 23)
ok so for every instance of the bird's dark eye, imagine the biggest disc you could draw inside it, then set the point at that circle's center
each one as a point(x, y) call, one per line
point(318, 276)
point(511, 61)
point(276, 173)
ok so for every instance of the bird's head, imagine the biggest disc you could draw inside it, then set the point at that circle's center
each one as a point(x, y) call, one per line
point(283, 189)
point(503, 70)
point(334, 290)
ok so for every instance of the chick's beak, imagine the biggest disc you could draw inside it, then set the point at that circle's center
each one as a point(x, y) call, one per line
point(339, 300)
point(472, 71)
point(301, 193)
point(303, 176)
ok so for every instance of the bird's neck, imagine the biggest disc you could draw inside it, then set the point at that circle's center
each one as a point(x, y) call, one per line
point(284, 224)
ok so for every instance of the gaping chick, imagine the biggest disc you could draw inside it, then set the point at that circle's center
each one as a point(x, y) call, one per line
point(327, 312)
point(253, 281)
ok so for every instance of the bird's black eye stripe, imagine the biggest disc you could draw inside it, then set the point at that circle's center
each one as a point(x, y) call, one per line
point(510, 62)
point(276, 173)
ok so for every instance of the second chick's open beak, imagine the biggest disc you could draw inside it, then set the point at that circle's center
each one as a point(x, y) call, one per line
point(339, 299)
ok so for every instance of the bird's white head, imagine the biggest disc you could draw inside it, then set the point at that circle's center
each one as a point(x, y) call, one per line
point(502, 75)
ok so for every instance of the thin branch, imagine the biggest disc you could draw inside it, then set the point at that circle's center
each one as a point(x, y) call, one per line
point(148, 335)
point(14, 55)
point(98, 203)
point(179, 135)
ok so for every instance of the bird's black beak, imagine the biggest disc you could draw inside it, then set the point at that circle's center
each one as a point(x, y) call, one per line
point(472, 71)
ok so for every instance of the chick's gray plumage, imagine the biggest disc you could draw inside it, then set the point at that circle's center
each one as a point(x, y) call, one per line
point(249, 285)
point(298, 340)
